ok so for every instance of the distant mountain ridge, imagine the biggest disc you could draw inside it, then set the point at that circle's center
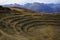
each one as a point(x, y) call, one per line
point(41, 7)
point(13, 5)
point(38, 7)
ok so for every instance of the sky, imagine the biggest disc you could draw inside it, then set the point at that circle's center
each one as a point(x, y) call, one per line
point(27, 1)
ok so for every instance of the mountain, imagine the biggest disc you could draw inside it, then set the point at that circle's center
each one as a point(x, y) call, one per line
point(41, 7)
point(38, 7)
point(27, 5)
point(13, 5)
point(56, 8)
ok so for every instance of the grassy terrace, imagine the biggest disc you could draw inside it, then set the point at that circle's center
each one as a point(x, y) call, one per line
point(17, 24)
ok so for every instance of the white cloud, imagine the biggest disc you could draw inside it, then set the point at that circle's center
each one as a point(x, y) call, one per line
point(26, 1)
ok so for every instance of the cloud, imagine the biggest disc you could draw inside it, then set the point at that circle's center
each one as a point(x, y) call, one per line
point(27, 1)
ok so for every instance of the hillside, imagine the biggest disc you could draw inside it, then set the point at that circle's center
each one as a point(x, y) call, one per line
point(23, 24)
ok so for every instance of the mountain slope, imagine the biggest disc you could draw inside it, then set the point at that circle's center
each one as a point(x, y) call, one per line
point(41, 7)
